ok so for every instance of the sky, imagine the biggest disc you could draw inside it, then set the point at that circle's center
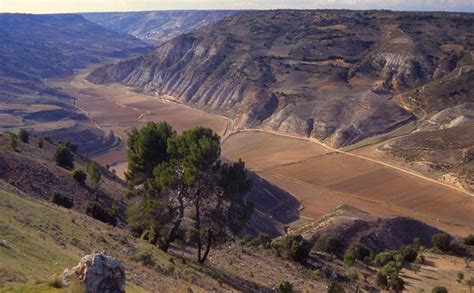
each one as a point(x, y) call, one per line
point(61, 6)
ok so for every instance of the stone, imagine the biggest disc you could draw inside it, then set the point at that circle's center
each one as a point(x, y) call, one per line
point(98, 272)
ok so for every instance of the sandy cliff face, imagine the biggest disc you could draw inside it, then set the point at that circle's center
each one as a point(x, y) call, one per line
point(330, 75)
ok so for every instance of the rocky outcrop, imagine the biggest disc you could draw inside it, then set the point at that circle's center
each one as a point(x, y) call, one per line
point(98, 272)
point(330, 75)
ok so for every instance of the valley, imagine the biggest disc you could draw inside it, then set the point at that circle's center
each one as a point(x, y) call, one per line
point(319, 176)
point(280, 150)
point(117, 109)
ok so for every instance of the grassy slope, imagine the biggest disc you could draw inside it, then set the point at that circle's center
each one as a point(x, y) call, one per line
point(38, 240)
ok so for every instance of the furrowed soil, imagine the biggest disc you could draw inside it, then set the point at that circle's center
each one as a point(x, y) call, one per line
point(322, 179)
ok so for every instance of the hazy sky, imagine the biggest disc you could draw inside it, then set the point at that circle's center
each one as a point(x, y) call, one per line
point(53, 6)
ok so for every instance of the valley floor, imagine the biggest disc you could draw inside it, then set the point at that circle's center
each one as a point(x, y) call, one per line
point(321, 178)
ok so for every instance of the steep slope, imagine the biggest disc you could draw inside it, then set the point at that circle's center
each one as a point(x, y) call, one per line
point(33, 171)
point(156, 27)
point(330, 75)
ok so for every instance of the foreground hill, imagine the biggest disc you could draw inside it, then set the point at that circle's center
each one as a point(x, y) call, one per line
point(156, 27)
point(34, 48)
point(329, 75)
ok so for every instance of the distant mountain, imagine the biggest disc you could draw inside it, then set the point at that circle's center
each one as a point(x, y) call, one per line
point(36, 47)
point(157, 27)
point(41, 46)
point(330, 75)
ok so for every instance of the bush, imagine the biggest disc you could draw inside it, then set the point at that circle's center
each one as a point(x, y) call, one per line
point(79, 175)
point(407, 253)
point(98, 212)
point(151, 236)
point(469, 240)
point(262, 240)
point(296, 248)
point(24, 136)
point(330, 244)
point(349, 258)
point(64, 157)
point(359, 251)
point(285, 287)
point(335, 287)
point(441, 241)
point(62, 200)
point(388, 277)
point(72, 147)
point(384, 258)
point(145, 258)
point(40, 143)
point(439, 289)
point(246, 240)
point(12, 143)
point(353, 275)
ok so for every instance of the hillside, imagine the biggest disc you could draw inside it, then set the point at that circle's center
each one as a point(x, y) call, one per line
point(156, 27)
point(34, 48)
point(330, 75)
point(39, 240)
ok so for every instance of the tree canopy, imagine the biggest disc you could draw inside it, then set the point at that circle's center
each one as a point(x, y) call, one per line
point(186, 175)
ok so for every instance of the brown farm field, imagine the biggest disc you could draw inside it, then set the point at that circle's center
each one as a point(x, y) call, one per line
point(322, 180)
point(116, 108)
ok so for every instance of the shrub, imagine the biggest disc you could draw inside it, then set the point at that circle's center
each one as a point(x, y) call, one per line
point(407, 253)
point(72, 147)
point(262, 240)
point(441, 241)
point(62, 200)
point(285, 287)
point(460, 277)
point(56, 282)
point(359, 251)
point(79, 175)
point(353, 275)
point(330, 244)
point(439, 289)
point(40, 143)
point(64, 157)
point(24, 136)
point(388, 277)
point(150, 236)
point(12, 143)
point(98, 212)
point(335, 287)
point(349, 258)
point(246, 240)
point(296, 248)
point(384, 258)
point(316, 274)
point(145, 258)
point(469, 240)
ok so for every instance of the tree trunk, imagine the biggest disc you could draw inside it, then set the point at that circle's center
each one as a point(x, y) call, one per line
point(172, 235)
point(198, 224)
point(208, 248)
